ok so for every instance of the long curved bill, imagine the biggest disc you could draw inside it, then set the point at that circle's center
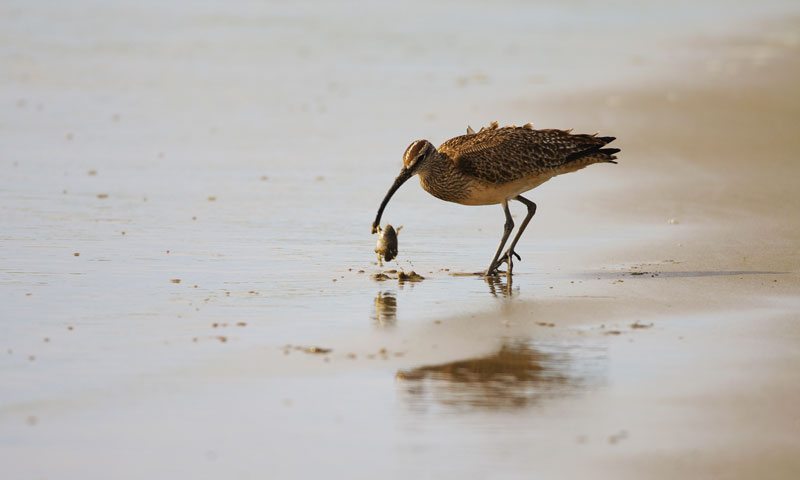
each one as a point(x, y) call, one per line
point(405, 174)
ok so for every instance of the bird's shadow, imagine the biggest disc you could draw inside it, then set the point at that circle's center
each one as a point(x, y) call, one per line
point(517, 375)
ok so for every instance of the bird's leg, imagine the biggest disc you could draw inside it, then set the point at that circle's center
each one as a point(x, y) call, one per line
point(510, 252)
point(509, 225)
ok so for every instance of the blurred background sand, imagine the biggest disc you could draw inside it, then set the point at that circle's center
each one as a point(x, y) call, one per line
point(215, 168)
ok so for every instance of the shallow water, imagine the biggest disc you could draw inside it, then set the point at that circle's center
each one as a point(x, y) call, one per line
point(216, 170)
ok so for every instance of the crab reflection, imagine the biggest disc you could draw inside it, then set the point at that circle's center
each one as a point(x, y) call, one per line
point(385, 309)
point(515, 376)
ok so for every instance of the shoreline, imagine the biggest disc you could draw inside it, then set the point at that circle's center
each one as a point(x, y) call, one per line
point(652, 328)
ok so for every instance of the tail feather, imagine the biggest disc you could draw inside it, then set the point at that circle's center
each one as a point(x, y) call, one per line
point(608, 154)
point(596, 151)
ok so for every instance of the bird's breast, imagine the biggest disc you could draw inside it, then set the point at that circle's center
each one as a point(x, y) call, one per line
point(444, 188)
point(477, 192)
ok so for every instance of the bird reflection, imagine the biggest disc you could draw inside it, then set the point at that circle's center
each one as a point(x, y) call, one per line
point(500, 285)
point(385, 309)
point(515, 376)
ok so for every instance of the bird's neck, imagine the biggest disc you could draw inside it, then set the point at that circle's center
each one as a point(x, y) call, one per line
point(439, 177)
point(436, 166)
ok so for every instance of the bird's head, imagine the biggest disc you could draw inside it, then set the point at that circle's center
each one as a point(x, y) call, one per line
point(416, 156)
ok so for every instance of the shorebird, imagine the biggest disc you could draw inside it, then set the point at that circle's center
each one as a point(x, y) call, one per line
point(496, 165)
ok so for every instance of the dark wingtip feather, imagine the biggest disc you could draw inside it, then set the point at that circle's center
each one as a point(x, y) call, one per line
point(609, 151)
point(608, 154)
point(594, 151)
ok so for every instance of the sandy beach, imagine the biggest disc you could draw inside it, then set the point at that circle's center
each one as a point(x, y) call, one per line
point(187, 278)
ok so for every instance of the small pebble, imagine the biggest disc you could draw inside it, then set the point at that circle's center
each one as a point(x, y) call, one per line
point(317, 350)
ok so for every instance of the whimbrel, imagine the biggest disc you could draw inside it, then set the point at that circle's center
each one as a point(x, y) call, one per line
point(495, 165)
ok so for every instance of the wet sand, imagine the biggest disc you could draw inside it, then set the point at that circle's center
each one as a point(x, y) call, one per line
point(207, 328)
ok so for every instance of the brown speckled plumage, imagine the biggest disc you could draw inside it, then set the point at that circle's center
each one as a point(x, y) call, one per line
point(466, 168)
point(495, 165)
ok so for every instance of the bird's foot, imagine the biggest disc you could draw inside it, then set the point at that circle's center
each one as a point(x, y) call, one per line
point(511, 253)
point(510, 262)
point(491, 273)
point(507, 258)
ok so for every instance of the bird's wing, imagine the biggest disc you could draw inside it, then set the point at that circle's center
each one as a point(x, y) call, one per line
point(500, 155)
